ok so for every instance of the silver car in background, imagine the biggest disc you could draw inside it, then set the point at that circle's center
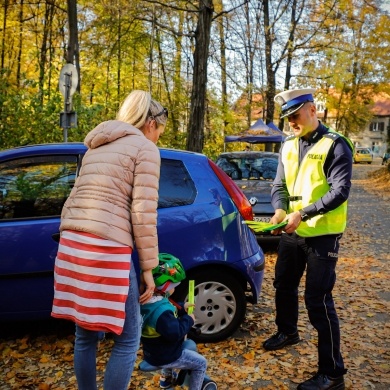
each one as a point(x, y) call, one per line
point(254, 173)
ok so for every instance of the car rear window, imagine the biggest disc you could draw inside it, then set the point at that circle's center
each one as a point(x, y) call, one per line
point(363, 151)
point(39, 186)
point(176, 185)
point(253, 168)
point(36, 186)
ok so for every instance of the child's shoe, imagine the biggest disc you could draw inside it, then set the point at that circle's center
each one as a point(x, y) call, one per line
point(168, 381)
point(209, 384)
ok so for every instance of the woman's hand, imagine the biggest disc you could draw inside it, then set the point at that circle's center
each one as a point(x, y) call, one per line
point(147, 286)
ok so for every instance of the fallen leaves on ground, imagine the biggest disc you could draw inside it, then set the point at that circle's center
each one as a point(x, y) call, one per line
point(378, 182)
point(240, 363)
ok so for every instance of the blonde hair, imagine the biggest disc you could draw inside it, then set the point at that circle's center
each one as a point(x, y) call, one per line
point(137, 107)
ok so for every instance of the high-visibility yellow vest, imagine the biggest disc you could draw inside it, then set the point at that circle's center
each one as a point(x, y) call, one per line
point(306, 183)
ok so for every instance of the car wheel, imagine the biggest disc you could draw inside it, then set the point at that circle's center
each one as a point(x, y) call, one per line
point(220, 305)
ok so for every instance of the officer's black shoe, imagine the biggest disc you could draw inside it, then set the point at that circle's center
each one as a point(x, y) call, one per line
point(279, 340)
point(323, 382)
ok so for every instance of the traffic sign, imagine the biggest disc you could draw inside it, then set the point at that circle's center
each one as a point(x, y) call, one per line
point(69, 79)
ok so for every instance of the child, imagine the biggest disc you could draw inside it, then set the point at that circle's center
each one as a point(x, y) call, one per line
point(164, 330)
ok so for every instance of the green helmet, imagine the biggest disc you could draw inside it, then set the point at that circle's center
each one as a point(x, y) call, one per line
point(169, 269)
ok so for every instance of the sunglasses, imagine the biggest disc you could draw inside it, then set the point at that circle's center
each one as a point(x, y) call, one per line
point(163, 112)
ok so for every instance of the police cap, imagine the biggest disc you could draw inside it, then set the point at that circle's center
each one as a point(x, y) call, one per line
point(293, 99)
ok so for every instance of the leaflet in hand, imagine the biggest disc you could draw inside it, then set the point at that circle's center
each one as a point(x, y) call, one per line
point(264, 226)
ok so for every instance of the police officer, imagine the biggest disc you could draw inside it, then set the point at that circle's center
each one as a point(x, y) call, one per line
point(310, 190)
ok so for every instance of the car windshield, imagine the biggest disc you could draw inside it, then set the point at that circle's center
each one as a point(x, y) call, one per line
point(249, 167)
point(363, 151)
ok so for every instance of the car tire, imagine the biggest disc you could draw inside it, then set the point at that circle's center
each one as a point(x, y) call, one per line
point(220, 304)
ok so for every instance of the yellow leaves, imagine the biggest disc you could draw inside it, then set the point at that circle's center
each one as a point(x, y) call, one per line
point(44, 359)
point(68, 358)
point(43, 386)
point(249, 356)
point(59, 374)
point(10, 374)
point(385, 367)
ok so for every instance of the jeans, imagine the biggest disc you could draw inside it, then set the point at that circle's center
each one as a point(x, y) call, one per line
point(124, 352)
point(189, 360)
point(318, 255)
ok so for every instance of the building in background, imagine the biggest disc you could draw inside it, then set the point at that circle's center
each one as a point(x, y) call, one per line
point(376, 134)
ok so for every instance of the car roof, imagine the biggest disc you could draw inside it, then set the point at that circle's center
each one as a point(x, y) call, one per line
point(57, 148)
point(79, 147)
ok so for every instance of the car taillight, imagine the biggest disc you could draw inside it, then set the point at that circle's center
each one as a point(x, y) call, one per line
point(238, 197)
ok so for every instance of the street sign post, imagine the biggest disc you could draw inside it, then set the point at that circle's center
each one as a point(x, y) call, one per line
point(68, 84)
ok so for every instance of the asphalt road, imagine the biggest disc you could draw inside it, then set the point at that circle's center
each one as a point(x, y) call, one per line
point(368, 212)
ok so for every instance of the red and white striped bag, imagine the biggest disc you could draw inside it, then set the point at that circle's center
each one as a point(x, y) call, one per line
point(91, 281)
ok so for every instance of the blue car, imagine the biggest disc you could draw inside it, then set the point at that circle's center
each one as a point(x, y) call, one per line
point(200, 221)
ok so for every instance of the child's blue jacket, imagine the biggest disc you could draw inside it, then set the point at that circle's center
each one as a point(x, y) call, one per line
point(163, 331)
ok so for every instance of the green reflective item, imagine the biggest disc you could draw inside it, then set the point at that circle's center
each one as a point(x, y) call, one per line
point(264, 226)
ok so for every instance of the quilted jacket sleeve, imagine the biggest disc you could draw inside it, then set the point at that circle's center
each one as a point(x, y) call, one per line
point(144, 205)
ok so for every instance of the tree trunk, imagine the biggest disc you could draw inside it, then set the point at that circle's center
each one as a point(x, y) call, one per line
point(221, 31)
point(20, 50)
point(6, 3)
point(195, 137)
point(290, 51)
point(165, 78)
point(177, 80)
point(249, 66)
point(47, 25)
point(119, 51)
point(72, 55)
point(270, 91)
point(151, 48)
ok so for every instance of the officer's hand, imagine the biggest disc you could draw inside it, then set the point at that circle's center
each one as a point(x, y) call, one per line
point(294, 219)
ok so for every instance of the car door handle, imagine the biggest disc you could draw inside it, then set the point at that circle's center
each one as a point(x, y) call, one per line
point(56, 237)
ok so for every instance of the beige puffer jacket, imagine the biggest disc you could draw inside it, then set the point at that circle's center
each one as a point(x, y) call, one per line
point(115, 196)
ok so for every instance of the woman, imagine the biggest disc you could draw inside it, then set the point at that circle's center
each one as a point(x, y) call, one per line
point(112, 207)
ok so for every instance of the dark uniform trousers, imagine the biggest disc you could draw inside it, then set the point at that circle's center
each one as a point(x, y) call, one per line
point(318, 255)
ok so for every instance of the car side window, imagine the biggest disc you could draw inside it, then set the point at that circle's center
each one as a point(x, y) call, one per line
point(176, 185)
point(35, 186)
